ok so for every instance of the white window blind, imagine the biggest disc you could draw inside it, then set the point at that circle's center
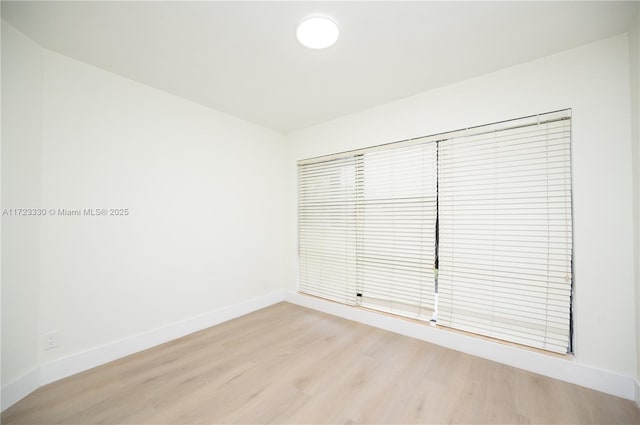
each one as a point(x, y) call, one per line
point(326, 229)
point(505, 232)
point(470, 228)
point(396, 230)
point(366, 229)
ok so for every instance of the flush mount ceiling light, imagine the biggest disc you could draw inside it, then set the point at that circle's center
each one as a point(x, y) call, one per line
point(317, 32)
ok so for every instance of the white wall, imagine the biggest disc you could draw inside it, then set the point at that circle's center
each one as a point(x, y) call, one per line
point(634, 56)
point(594, 81)
point(205, 196)
point(205, 200)
point(22, 66)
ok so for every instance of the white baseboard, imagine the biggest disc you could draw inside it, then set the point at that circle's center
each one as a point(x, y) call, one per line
point(638, 393)
point(568, 370)
point(79, 362)
point(19, 388)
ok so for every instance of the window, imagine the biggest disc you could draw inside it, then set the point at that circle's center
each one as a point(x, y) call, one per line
point(395, 230)
point(469, 229)
point(327, 231)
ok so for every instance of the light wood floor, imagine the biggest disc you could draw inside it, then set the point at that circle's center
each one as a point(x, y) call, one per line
point(288, 364)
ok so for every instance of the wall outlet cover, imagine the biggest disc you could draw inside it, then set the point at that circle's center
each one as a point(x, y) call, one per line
point(51, 340)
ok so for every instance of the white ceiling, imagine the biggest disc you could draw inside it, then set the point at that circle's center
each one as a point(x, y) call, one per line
point(243, 58)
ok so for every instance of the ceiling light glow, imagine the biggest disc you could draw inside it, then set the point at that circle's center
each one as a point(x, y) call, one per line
point(317, 32)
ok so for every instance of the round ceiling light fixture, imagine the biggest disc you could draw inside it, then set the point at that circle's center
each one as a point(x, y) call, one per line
point(317, 32)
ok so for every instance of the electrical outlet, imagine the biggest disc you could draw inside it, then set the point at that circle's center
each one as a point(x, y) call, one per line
point(51, 340)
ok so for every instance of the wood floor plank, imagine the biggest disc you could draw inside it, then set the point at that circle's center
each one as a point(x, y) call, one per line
point(286, 364)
